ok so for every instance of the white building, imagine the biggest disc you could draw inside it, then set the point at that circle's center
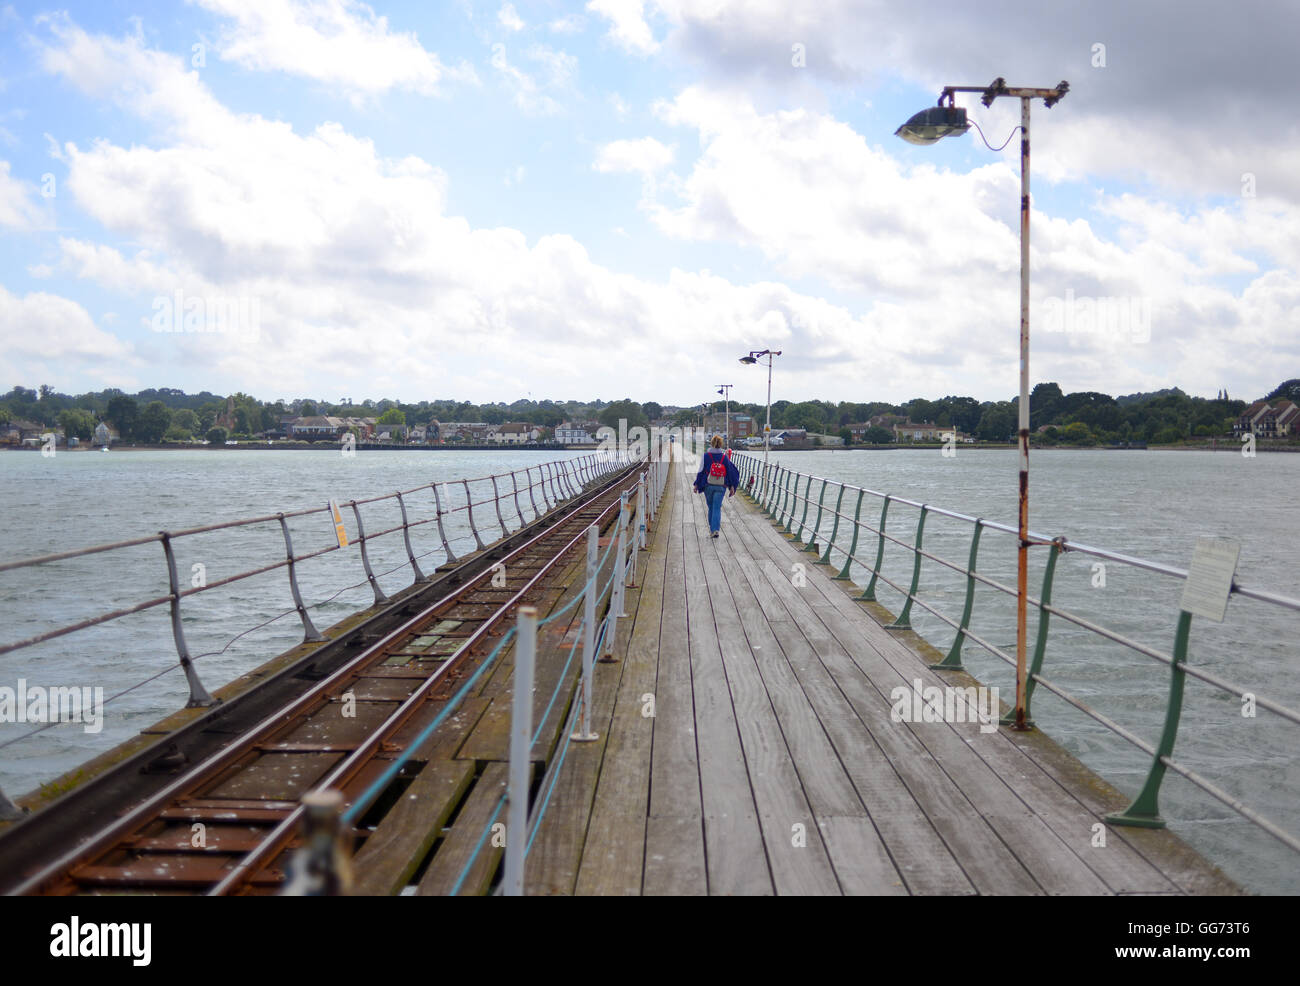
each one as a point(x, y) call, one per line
point(514, 433)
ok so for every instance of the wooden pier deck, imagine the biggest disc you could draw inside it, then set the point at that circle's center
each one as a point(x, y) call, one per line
point(746, 747)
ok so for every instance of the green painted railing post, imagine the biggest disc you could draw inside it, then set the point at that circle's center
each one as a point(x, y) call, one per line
point(1040, 644)
point(785, 497)
point(869, 593)
point(1144, 812)
point(794, 508)
point(791, 501)
point(844, 575)
point(952, 661)
point(817, 524)
point(902, 623)
point(835, 529)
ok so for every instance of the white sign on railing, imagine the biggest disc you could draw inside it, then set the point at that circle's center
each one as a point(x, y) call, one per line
point(1209, 578)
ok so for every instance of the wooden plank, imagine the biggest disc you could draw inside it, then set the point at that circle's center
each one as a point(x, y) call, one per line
point(795, 850)
point(490, 738)
point(956, 746)
point(561, 844)
point(985, 860)
point(675, 858)
point(980, 759)
point(862, 864)
point(733, 837)
point(614, 853)
point(919, 853)
point(393, 851)
point(466, 848)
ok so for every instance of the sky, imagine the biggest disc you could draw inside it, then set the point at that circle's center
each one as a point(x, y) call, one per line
point(494, 201)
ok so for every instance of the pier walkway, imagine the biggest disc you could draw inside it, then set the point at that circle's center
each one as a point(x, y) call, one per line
point(747, 747)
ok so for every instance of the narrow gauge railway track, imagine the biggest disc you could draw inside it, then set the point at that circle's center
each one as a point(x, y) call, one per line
point(225, 823)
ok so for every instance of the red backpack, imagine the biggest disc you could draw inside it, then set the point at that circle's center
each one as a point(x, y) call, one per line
point(717, 473)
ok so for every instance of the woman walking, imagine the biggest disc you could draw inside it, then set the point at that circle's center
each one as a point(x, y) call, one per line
point(718, 478)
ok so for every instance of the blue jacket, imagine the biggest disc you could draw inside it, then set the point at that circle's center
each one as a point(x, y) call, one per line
point(710, 457)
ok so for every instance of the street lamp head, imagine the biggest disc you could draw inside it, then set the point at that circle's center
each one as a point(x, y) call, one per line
point(933, 124)
point(748, 359)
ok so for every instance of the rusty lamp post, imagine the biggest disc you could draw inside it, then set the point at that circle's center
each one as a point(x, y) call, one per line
point(927, 127)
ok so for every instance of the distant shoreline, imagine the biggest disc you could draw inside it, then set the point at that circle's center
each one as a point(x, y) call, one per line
point(1226, 446)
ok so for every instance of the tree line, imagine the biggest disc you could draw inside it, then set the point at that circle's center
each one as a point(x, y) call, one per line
point(1081, 418)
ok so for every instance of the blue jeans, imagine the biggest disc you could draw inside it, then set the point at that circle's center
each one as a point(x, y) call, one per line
point(713, 496)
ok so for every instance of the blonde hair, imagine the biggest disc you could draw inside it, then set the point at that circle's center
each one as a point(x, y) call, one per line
point(717, 441)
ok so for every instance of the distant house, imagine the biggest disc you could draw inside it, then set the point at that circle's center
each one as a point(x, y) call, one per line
point(911, 431)
point(741, 425)
point(791, 436)
point(469, 432)
point(17, 431)
point(316, 427)
point(576, 432)
point(1287, 417)
point(104, 435)
point(513, 433)
point(1264, 420)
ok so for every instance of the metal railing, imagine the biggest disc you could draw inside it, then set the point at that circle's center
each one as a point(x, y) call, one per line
point(791, 498)
point(598, 638)
point(530, 493)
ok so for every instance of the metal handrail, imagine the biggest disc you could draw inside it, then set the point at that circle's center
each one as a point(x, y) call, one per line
point(594, 465)
point(778, 493)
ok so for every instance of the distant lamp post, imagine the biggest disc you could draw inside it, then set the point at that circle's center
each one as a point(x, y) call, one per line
point(725, 390)
point(927, 127)
point(754, 356)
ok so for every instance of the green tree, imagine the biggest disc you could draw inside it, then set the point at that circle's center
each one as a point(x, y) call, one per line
point(1167, 436)
point(997, 422)
point(77, 423)
point(186, 419)
point(877, 435)
point(393, 416)
point(846, 435)
point(653, 410)
point(1043, 401)
point(624, 409)
point(307, 409)
point(1078, 433)
point(216, 436)
point(124, 413)
point(155, 419)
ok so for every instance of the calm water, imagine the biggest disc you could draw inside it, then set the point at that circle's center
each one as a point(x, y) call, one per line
point(77, 499)
point(1151, 504)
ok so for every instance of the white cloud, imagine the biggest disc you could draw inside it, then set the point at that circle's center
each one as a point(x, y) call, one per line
point(360, 274)
point(568, 24)
point(339, 42)
point(645, 156)
point(18, 207)
point(560, 66)
point(525, 91)
point(49, 327)
point(1187, 110)
point(627, 25)
point(935, 253)
point(365, 280)
point(509, 18)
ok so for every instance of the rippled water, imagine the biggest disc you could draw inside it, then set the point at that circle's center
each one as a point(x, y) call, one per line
point(1145, 503)
point(77, 499)
point(1150, 504)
